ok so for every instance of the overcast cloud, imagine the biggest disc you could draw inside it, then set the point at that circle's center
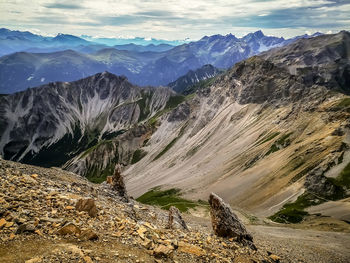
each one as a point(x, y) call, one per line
point(175, 19)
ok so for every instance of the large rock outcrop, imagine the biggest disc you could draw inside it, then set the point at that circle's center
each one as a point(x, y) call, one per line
point(317, 183)
point(226, 223)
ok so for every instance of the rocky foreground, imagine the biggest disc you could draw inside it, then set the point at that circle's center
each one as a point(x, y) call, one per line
point(49, 215)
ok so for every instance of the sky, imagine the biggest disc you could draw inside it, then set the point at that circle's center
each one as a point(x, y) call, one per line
point(175, 19)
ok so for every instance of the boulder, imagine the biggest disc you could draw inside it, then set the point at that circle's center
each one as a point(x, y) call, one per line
point(88, 235)
point(69, 229)
point(162, 251)
point(26, 228)
point(226, 223)
point(87, 205)
point(175, 219)
point(317, 183)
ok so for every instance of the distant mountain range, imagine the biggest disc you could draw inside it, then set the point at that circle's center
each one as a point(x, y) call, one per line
point(142, 65)
point(140, 48)
point(141, 41)
point(17, 41)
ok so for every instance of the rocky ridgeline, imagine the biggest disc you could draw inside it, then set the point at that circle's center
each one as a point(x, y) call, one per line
point(49, 215)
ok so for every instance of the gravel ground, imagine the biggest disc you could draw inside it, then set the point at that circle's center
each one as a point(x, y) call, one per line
point(299, 245)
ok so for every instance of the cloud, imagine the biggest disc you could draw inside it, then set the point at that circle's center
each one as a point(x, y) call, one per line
point(176, 19)
point(63, 6)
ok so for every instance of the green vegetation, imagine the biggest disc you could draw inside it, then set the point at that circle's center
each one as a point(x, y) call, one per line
point(97, 176)
point(295, 164)
point(262, 134)
point(282, 142)
point(343, 103)
point(200, 85)
point(171, 143)
point(273, 148)
point(302, 173)
point(167, 198)
point(251, 162)
point(95, 173)
point(342, 181)
point(111, 135)
point(145, 142)
point(288, 216)
point(192, 151)
point(344, 177)
point(63, 150)
point(96, 179)
point(166, 148)
point(341, 158)
point(144, 107)
point(94, 147)
point(268, 138)
point(294, 212)
point(138, 155)
point(174, 101)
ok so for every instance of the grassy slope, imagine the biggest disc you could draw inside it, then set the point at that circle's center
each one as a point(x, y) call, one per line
point(167, 198)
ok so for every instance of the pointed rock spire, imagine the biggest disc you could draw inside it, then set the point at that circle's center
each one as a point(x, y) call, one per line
point(118, 183)
point(226, 223)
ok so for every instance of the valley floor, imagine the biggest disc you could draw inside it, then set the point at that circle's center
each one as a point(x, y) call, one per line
point(300, 242)
point(299, 245)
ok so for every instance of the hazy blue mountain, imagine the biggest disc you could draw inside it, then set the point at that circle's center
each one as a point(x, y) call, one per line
point(21, 70)
point(135, 40)
point(15, 34)
point(88, 49)
point(258, 42)
point(16, 41)
point(12, 41)
point(65, 39)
